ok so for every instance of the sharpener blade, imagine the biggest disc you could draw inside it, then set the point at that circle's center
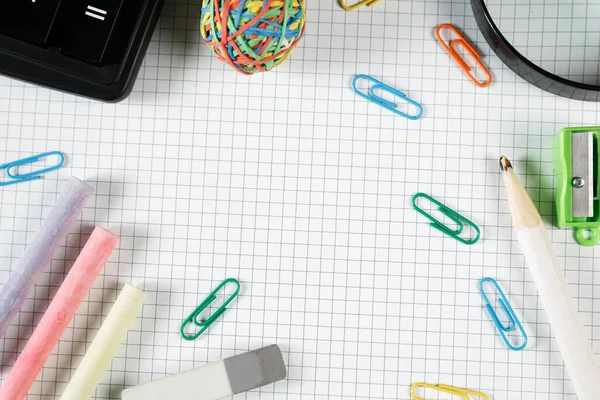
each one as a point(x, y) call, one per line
point(582, 178)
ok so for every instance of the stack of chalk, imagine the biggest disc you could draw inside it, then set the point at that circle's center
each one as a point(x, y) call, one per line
point(71, 293)
point(217, 380)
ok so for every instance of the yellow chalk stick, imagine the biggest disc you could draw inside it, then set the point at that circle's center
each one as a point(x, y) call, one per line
point(105, 344)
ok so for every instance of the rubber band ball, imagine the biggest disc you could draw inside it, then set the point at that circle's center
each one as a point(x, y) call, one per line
point(252, 35)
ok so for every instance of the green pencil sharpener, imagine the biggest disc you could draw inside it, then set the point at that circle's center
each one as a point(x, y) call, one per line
point(575, 160)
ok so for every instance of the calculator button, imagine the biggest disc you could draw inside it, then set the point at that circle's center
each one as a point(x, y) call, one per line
point(28, 20)
point(89, 29)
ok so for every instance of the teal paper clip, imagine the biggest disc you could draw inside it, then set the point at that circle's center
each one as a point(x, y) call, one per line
point(513, 321)
point(455, 217)
point(393, 107)
point(30, 176)
point(205, 324)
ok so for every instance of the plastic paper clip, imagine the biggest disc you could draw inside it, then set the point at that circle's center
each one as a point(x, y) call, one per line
point(513, 321)
point(359, 4)
point(456, 391)
point(33, 175)
point(371, 96)
point(452, 50)
point(455, 217)
point(205, 324)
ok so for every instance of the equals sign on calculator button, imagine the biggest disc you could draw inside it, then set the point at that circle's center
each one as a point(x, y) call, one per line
point(90, 28)
point(95, 13)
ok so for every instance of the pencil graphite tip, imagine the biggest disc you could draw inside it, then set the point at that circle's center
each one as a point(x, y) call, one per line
point(505, 163)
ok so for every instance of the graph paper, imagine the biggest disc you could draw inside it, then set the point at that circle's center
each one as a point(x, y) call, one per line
point(302, 190)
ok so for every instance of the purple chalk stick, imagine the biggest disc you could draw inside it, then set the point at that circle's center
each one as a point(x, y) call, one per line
point(39, 253)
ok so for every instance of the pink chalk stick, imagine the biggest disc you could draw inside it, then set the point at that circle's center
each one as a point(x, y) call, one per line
point(60, 312)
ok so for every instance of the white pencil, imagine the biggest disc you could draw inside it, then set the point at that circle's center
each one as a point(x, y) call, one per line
point(552, 288)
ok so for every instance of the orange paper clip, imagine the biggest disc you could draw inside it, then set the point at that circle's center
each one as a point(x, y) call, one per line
point(451, 49)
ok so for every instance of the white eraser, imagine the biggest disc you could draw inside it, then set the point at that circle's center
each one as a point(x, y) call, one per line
point(216, 380)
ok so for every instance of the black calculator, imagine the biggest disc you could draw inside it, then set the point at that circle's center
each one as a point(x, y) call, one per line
point(91, 48)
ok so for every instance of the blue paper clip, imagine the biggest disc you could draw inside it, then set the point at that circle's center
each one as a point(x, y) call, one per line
point(513, 321)
point(30, 176)
point(371, 96)
point(205, 324)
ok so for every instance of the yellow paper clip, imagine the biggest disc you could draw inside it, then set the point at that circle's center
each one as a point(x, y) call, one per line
point(460, 392)
point(359, 4)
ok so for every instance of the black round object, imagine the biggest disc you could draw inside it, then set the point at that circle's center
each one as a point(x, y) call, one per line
point(523, 67)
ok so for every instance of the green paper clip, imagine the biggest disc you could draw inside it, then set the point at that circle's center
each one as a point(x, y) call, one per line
point(575, 161)
point(193, 317)
point(455, 217)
